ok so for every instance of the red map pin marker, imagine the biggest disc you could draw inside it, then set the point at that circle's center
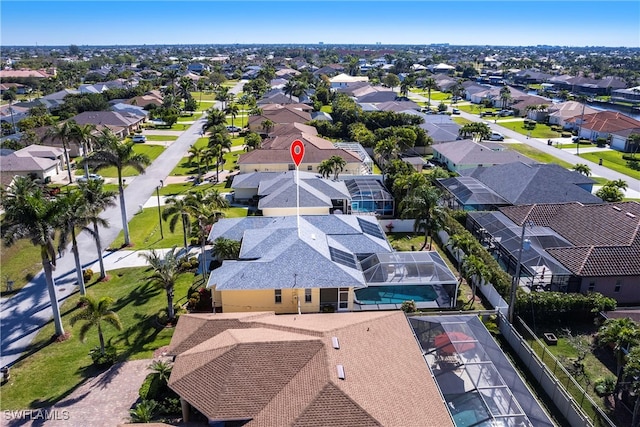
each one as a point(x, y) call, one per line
point(297, 152)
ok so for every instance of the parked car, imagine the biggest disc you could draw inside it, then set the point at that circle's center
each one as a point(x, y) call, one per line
point(93, 176)
point(233, 129)
point(505, 113)
point(139, 138)
point(455, 111)
point(496, 136)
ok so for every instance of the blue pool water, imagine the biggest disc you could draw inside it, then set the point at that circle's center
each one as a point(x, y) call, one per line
point(396, 294)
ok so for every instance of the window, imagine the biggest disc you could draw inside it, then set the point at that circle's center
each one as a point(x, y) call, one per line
point(310, 167)
point(307, 295)
point(292, 166)
point(591, 287)
point(343, 298)
point(278, 296)
point(618, 286)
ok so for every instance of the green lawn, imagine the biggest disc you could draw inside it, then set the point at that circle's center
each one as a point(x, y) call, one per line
point(538, 155)
point(203, 96)
point(175, 189)
point(153, 151)
point(191, 118)
point(613, 160)
point(144, 229)
point(327, 109)
point(54, 370)
point(540, 131)
point(161, 137)
point(20, 263)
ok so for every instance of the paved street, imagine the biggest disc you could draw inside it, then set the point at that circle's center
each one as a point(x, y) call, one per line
point(23, 314)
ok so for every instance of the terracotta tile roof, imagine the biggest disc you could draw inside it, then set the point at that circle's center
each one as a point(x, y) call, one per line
point(607, 121)
point(282, 371)
point(606, 237)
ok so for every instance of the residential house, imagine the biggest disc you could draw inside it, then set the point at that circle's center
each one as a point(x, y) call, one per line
point(626, 95)
point(568, 247)
point(198, 67)
point(151, 98)
point(120, 123)
point(342, 80)
point(620, 140)
point(278, 194)
point(487, 188)
point(560, 114)
point(587, 85)
point(27, 74)
point(317, 369)
point(467, 154)
point(440, 127)
point(18, 88)
point(278, 113)
point(12, 114)
point(39, 161)
point(603, 124)
point(323, 260)
point(275, 156)
point(329, 70)
point(441, 68)
point(527, 77)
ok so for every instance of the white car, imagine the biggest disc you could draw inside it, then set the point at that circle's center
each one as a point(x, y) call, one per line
point(139, 138)
point(496, 136)
point(91, 176)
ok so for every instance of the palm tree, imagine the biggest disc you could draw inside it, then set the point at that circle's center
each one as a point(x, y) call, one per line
point(290, 88)
point(421, 204)
point(165, 274)
point(113, 152)
point(10, 95)
point(83, 134)
point(223, 95)
point(634, 143)
point(325, 168)
point(505, 96)
point(583, 169)
point(622, 334)
point(76, 215)
point(252, 141)
point(32, 216)
point(618, 183)
point(233, 111)
point(206, 207)
point(216, 152)
point(95, 312)
point(215, 118)
point(267, 125)
point(64, 132)
point(209, 155)
point(97, 200)
point(224, 248)
point(338, 164)
point(632, 372)
point(387, 149)
point(176, 208)
point(460, 242)
point(172, 75)
point(196, 154)
point(429, 84)
point(474, 271)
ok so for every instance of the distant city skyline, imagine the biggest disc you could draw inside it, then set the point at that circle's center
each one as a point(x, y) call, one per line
point(505, 23)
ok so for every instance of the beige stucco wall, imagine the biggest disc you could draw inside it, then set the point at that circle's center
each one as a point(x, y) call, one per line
point(629, 288)
point(293, 211)
point(350, 168)
point(264, 300)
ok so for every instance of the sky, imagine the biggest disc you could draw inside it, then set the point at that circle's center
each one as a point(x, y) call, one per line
point(457, 22)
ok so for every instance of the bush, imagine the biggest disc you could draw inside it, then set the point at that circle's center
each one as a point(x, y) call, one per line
point(605, 386)
point(170, 406)
point(409, 306)
point(144, 411)
point(151, 387)
point(103, 360)
point(87, 274)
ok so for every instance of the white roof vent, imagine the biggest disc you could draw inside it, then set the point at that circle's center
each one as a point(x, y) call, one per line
point(616, 208)
point(335, 342)
point(340, 371)
point(630, 215)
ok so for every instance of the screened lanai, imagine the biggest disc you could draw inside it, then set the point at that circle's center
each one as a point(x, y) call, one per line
point(356, 148)
point(469, 194)
point(368, 195)
point(503, 238)
point(477, 381)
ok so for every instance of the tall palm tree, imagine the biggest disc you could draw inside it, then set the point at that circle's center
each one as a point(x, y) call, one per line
point(32, 216)
point(172, 75)
point(65, 133)
point(113, 152)
point(176, 209)
point(97, 200)
point(206, 207)
point(505, 96)
point(460, 243)
point(233, 111)
point(474, 270)
point(75, 217)
point(387, 149)
point(215, 118)
point(429, 84)
point(223, 95)
point(165, 274)
point(338, 164)
point(632, 371)
point(209, 155)
point(325, 168)
point(196, 154)
point(10, 95)
point(252, 141)
point(94, 313)
point(421, 204)
point(83, 134)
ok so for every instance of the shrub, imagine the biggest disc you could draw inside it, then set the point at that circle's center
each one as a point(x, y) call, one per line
point(87, 274)
point(151, 387)
point(605, 386)
point(170, 406)
point(103, 360)
point(409, 306)
point(144, 411)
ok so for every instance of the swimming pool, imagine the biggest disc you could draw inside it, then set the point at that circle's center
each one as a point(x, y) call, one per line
point(395, 294)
